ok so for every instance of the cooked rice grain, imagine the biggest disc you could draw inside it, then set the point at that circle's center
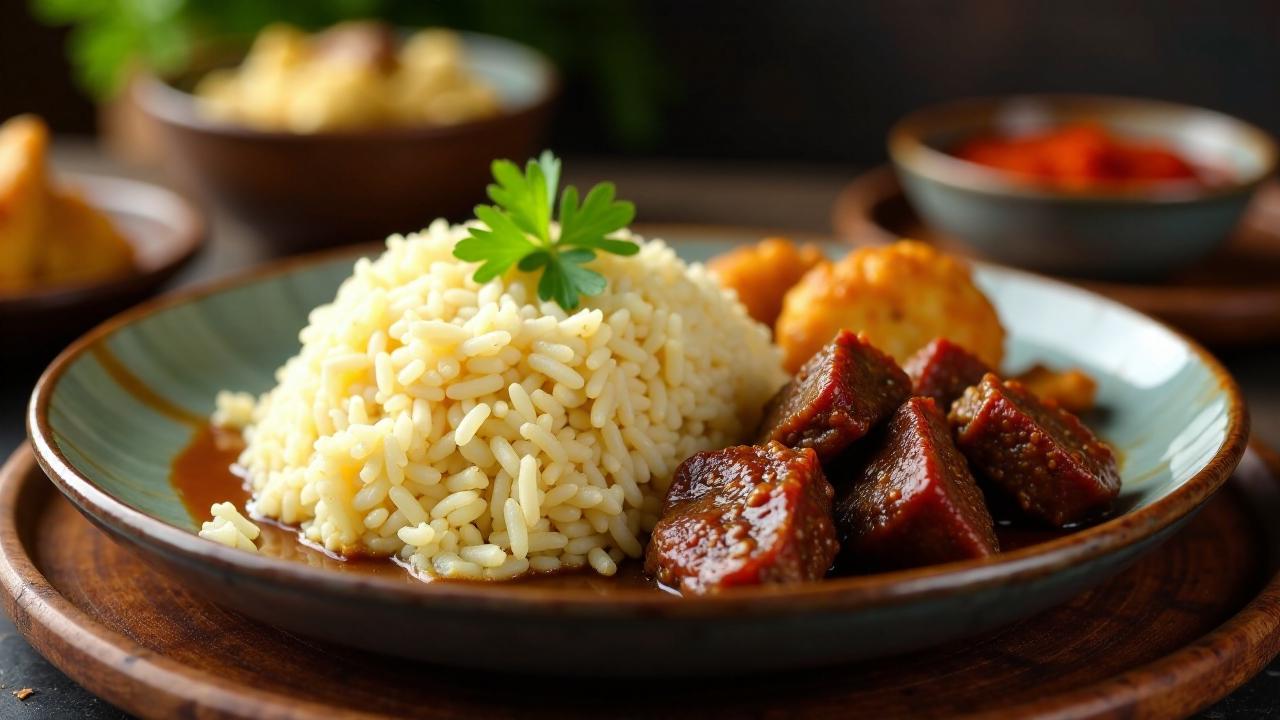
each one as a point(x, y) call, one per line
point(477, 432)
point(230, 528)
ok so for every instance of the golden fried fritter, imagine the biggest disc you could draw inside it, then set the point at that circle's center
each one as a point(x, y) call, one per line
point(902, 296)
point(762, 273)
point(24, 140)
point(48, 236)
point(81, 245)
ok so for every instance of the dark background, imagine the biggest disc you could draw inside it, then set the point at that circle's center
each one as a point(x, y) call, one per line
point(805, 81)
point(812, 80)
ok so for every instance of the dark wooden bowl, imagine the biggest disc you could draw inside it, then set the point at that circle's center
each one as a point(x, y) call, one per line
point(301, 191)
point(166, 232)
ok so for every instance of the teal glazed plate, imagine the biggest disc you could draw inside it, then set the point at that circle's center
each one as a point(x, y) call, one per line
point(113, 412)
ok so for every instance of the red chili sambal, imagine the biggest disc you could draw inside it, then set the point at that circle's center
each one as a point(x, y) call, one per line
point(1080, 156)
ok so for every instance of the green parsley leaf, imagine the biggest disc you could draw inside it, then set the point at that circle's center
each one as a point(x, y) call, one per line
point(565, 279)
point(599, 216)
point(538, 259)
point(498, 247)
point(523, 197)
point(518, 230)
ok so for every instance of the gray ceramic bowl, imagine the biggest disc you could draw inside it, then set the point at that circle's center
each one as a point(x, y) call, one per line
point(1136, 233)
point(302, 191)
point(111, 415)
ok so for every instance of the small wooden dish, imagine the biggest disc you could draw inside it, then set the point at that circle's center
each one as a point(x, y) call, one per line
point(1146, 643)
point(1230, 299)
point(166, 232)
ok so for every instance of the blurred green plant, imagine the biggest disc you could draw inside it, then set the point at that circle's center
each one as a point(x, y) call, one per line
point(601, 43)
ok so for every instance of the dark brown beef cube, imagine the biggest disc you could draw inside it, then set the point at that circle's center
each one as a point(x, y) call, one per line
point(943, 370)
point(915, 502)
point(1044, 457)
point(836, 397)
point(744, 515)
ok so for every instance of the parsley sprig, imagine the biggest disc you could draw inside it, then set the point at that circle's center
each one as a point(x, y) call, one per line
point(518, 230)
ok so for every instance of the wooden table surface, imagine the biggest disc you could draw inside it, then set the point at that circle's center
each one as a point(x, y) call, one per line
point(768, 196)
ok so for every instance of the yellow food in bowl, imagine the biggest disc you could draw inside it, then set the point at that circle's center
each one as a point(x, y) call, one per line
point(355, 75)
point(48, 236)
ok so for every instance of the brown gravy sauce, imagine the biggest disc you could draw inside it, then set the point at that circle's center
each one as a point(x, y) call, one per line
point(206, 473)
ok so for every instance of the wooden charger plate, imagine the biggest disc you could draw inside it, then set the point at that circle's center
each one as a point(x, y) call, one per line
point(1182, 628)
point(1231, 298)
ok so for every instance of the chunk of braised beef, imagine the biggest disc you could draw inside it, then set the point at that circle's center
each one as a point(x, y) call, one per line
point(943, 370)
point(1043, 456)
point(914, 502)
point(745, 515)
point(836, 398)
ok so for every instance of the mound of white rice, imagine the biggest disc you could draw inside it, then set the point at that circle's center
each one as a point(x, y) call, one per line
point(473, 431)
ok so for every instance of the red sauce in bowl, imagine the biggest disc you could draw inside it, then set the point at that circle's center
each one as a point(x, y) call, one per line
point(1081, 156)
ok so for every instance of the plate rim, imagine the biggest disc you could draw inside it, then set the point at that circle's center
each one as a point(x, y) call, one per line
point(839, 594)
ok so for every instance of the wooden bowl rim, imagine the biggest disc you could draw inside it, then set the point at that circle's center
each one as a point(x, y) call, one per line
point(186, 233)
point(173, 106)
point(909, 151)
point(832, 595)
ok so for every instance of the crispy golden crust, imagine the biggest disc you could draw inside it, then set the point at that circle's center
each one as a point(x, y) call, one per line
point(24, 140)
point(48, 237)
point(81, 244)
point(900, 296)
point(762, 273)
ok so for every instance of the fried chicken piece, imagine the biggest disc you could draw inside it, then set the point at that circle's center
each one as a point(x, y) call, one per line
point(81, 244)
point(762, 273)
point(901, 296)
point(24, 140)
point(48, 237)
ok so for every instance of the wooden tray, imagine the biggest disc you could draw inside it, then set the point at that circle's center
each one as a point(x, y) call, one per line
point(1182, 628)
point(1230, 299)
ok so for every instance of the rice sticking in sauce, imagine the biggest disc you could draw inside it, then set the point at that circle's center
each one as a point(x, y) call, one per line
point(473, 431)
point(230, 528)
